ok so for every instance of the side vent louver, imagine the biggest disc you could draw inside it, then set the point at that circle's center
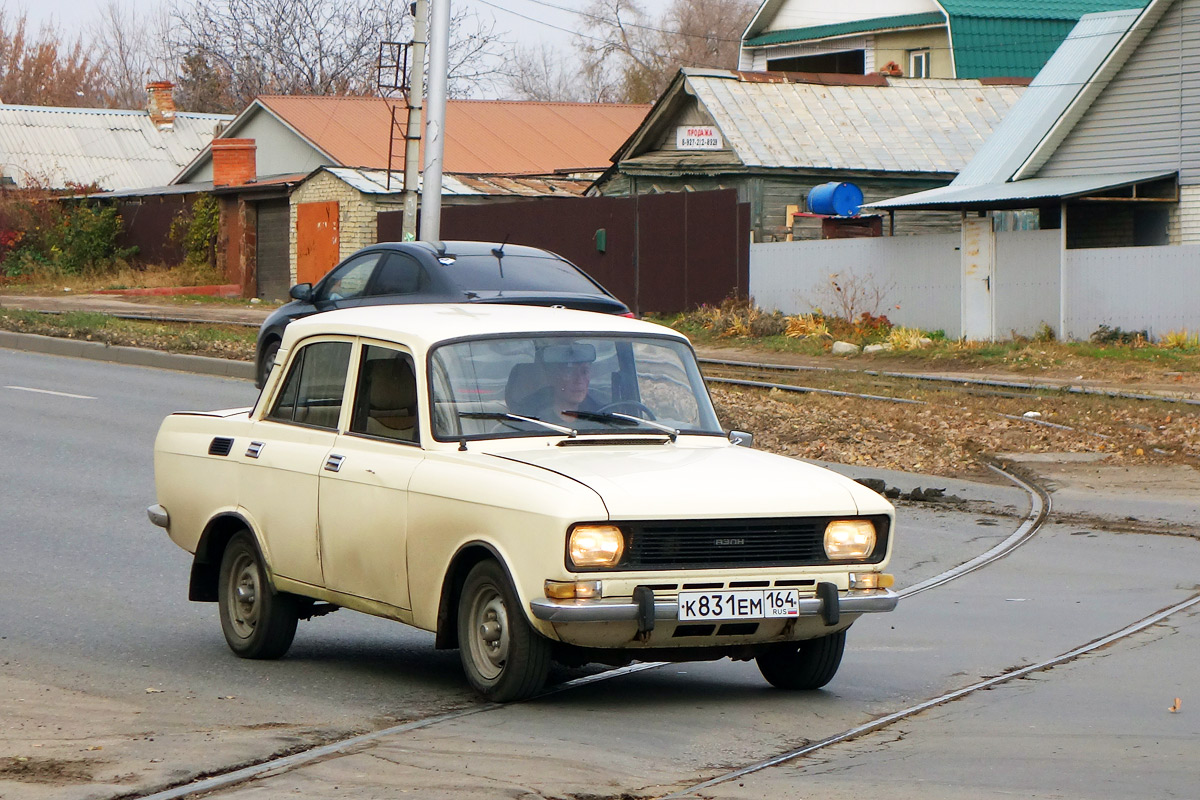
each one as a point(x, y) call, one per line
point(220, 446)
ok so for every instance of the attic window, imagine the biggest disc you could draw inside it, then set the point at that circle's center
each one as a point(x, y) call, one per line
point(918, 63)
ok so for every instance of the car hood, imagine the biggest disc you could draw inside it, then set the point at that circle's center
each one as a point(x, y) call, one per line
point(670, 481)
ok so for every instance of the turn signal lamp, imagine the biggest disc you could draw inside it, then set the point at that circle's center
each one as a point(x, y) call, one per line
point(596, 545)
point(849, 538)
point(574, 590)
point(871, 580)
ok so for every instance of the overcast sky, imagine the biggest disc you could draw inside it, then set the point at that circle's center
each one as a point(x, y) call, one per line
point(525, 21)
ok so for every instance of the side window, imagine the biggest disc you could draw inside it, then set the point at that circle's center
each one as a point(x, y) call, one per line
point(314, 386)
point(386, 404)
point(398, 275)
point(350, 279)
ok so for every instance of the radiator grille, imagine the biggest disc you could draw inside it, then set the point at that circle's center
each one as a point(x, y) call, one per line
point(739, 543)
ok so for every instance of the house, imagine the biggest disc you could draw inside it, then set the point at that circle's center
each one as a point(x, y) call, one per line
point(303, 180)
point(775, 136)
point(1102, 155)
point(915, 38)
point(110, 148)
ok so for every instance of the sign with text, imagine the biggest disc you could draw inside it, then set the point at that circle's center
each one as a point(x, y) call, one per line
point(698, 137)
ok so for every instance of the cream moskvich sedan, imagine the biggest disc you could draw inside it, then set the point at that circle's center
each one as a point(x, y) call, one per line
point(530, 484)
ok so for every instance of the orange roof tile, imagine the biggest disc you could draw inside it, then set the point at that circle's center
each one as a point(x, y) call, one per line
point(497, 137)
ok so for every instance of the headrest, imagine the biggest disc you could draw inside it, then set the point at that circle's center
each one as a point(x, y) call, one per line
point(391, 384)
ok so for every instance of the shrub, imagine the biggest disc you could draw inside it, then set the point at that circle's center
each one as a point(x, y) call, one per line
point(42, 233)
point(1181, 340)
point(196, 229)
point(1107, 335)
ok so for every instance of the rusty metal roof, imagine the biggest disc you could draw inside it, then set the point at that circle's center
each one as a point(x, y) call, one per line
point(483, 137)
point(115, 149)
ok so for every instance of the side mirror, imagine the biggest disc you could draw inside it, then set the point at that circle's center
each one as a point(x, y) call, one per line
point(741, 438)
point(302, 292)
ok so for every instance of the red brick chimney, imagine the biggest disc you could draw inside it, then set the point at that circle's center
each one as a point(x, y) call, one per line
point(233, 161)
point(161, 105)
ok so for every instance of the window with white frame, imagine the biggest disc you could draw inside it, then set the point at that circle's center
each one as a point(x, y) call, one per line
point(918, 63)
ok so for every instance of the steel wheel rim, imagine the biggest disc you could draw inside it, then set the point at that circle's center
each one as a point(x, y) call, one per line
point(244, 593)
point(488, 641)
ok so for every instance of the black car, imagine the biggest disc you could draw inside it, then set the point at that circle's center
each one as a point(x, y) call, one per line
point(448, 272)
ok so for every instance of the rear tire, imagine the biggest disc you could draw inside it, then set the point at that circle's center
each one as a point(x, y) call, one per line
point(803, 665)
point(257, 621)
point(503, 657)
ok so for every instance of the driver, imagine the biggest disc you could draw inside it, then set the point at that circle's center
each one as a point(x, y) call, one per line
point(568, 371)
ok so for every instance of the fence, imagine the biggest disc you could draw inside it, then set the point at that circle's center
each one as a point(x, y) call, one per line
point(919, 282)
point(658, 253)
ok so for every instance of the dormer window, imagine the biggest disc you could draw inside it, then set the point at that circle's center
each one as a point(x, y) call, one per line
point(918, 63)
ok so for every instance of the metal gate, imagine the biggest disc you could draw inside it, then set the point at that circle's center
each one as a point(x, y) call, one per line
point(274, 273)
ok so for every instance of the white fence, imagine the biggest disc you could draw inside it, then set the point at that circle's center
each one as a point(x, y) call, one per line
point(919, 281)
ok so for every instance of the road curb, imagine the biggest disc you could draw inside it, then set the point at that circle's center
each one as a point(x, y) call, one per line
point(133, 356)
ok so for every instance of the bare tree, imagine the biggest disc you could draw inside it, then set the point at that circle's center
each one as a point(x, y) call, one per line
point(625, 54)
point(306, 47)
point(41, 71)
point(135, 50)
point(540, 73)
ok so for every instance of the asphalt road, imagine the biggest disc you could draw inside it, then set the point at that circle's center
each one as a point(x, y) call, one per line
point(111, 682)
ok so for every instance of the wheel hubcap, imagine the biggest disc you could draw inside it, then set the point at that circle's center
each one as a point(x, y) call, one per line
point(489, 646)
point(244, 592)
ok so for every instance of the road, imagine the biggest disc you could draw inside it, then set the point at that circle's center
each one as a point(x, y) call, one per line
point(112, 683)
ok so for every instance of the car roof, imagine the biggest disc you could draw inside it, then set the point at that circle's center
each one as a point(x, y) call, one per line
point(470, 248)
point(424, 325)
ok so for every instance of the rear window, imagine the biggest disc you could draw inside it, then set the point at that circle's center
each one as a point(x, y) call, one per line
point(486, 273)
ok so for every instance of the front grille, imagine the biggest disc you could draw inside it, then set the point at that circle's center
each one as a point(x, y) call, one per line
point(737, 543)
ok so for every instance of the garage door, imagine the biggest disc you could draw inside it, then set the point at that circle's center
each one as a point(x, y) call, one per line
point(274, 273)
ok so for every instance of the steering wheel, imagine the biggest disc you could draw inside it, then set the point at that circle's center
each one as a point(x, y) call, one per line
point(634, 405)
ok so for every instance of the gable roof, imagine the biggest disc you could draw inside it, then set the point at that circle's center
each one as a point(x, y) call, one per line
point(487, 137)
point(841, 122)
point(988, 37)
point(1004, 173)
point(115, 149)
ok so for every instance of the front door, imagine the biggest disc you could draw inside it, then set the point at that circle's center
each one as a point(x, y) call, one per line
point(364, 503)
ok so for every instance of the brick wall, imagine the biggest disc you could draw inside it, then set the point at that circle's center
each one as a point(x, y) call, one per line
point(356, 213)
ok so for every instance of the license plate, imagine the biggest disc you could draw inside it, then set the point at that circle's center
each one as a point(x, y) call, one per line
point(739, 604)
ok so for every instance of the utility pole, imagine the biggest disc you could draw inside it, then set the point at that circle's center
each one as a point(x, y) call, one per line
point(435, 127)
point(412, 133)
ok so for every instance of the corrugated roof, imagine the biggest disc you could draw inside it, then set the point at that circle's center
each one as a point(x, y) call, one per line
point(115, 149)
point(482, 136)
point(904, 125)
point(1034, 9)
point(1052, 91)
point(1017, 194)
point(375, 181)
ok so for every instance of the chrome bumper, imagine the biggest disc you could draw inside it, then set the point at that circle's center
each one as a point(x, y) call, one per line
point(158, 515)
point(851, 602)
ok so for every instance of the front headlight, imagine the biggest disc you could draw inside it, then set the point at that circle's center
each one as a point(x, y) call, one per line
point(596, 545)
point(849, 538)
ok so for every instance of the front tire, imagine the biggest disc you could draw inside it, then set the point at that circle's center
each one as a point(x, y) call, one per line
point(267, 361)
point(805, 665)
point(503, 657)
point(257, 622)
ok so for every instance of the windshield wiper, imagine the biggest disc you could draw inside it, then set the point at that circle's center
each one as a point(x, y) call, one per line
point(503, 416)
point(623, 419)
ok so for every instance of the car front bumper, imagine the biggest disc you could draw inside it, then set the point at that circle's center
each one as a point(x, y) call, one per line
point(621, 610)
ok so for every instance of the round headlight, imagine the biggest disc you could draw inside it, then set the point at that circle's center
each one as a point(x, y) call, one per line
point(849, 538)
point(596, 545)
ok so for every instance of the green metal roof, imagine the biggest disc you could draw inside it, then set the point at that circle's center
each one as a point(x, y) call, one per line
point(1011, 38)
point(1034, 9)
point(846, 28)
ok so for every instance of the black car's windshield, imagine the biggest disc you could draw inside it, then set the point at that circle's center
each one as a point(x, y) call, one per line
point(515, 271)
point(561, 384)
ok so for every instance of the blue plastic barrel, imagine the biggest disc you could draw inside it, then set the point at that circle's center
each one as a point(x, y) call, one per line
point(835, 199)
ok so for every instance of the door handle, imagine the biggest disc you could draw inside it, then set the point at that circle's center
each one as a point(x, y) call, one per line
point(334, 463)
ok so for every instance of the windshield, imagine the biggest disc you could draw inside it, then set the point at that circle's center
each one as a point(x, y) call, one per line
point(555, 385)
point(487, 273)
